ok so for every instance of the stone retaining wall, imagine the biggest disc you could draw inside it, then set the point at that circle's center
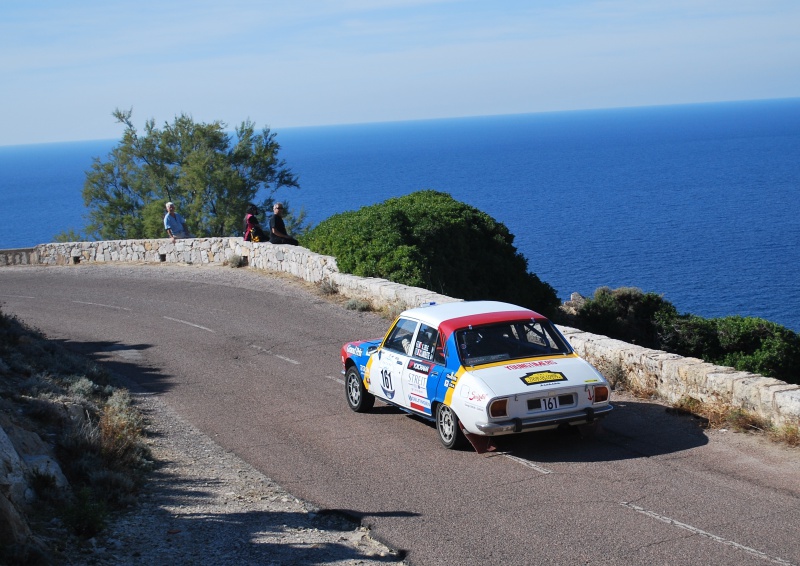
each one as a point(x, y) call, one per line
point(670, 376)
point(22, 256)
point(673, 377)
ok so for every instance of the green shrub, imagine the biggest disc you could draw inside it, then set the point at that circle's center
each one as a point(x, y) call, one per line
point(759, 346)
point(85, 516)
point(626, 314)
point(747, 344)
point(689, 335)
point(428, 239)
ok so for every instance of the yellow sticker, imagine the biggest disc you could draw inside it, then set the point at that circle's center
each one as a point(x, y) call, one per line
point(542, 377)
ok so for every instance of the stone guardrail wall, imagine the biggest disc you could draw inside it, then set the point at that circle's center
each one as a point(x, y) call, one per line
point(670, 376)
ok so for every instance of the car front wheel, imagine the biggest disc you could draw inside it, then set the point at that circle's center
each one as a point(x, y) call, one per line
point(449, 428)
point(359, 399)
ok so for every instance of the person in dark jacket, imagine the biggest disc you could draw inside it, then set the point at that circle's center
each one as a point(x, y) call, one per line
point(277, 229)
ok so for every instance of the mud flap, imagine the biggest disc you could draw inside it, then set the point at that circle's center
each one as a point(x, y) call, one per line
point(481, 444)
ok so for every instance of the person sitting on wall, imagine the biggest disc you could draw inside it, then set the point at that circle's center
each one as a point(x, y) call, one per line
point(252, 228)
point(175, 224)
point(277, 229)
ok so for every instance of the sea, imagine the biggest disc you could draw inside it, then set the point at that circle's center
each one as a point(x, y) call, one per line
point(699, 203)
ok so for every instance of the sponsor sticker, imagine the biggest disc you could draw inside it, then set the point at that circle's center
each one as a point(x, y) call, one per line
point(420, 367)
point(526, 365)
point(419, 404)
point(538, 377)
point(418, 384)
point(354, 350)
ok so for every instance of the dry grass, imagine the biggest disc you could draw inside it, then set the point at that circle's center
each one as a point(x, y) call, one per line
point(619, 380)
point(712, 415)
point(100, 446)
point(236, 261)
point(326, 287)
point(359, 305)
point(788, 434)
point(721, 416)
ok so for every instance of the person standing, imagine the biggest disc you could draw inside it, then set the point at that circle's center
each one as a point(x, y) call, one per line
point(277, 229)
point(175, 224)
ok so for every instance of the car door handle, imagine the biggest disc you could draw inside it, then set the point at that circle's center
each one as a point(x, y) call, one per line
point(399, 362)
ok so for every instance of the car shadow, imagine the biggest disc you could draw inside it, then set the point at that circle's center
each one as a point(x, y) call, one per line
point(634, 429)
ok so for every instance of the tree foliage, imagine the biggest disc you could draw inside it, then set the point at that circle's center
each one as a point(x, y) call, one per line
point(745, 343)
point(209, 175)
point(427, 239)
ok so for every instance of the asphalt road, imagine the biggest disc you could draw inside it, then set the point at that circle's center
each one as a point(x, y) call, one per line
point(253, 361)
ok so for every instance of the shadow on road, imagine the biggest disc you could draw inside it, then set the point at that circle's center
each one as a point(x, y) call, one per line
point(634, 429)
point(123, 360)
point(204, 530)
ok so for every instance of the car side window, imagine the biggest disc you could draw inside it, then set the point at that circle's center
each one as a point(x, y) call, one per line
point(399, 340)
point(425, 346)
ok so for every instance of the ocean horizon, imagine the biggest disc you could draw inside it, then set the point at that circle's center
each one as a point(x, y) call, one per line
point(696, 202)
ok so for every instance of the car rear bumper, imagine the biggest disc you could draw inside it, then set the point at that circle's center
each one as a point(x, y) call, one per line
point(545, 421)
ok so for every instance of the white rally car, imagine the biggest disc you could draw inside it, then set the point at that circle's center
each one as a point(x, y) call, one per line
point(478, 369)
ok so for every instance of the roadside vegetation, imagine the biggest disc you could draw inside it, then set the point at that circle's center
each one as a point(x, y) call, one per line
point(720, 416)
point(69, 410)
point(647, 319)
point(428, 239)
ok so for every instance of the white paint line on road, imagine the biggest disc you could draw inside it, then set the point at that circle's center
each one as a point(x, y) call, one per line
point(336, 379)
point(18, 296)
point(102, 305)
point(189, 324)
point(284, 358)
point(527, 463)
point(695, 530)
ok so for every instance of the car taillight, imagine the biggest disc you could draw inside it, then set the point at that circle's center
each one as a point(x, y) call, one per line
point(499, 408)
point(600, 394)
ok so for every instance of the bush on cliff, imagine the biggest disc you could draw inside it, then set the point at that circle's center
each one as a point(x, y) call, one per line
point(745, 343)
point(625, 314)
point(428, 239)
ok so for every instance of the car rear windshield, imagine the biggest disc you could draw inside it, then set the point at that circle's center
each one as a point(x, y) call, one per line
point(509, 341)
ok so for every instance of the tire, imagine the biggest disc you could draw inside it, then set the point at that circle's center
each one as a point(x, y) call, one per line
point(358, 398)
point(449, 428)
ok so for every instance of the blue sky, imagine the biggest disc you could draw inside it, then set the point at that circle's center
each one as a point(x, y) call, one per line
point(65, 66)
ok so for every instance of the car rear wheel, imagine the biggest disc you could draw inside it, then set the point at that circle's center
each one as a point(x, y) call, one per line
point(359, 399)
point(449, 428)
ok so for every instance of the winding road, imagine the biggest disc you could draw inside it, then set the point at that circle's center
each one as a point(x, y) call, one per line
point(252, 360)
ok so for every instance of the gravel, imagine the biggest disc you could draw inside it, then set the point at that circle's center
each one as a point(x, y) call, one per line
point(204, 505)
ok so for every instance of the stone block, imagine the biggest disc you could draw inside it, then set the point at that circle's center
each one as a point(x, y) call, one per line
point(747, 392)
point(786, 403)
